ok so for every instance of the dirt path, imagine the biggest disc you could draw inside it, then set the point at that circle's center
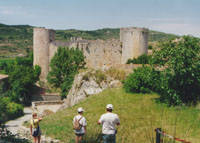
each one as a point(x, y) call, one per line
point(14, 125)
point(17, 128)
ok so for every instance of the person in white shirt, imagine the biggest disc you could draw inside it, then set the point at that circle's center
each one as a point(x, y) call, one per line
point(109, 121)
point(82, 123)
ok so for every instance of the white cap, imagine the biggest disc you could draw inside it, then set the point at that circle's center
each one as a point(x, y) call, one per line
point(109, 106)
point(80, 109)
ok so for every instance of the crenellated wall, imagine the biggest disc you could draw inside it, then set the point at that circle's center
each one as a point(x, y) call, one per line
point(99, 54)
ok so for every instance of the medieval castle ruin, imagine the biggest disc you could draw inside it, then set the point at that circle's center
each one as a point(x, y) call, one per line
point(99, 54)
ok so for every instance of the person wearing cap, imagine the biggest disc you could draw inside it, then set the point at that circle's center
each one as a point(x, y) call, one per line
point(109, 121)
point(35, 128)
point(82, 121)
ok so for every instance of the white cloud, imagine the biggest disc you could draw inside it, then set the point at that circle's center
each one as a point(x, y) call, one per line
point(180, 25)
point(13, 11)
point(178, 28)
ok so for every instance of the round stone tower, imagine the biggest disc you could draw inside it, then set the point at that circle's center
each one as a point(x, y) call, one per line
point(134, 42)
point(41, 40)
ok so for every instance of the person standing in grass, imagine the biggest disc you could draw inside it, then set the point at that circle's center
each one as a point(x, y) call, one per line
point(35, 128)
point(79, 124)
point(109, 121)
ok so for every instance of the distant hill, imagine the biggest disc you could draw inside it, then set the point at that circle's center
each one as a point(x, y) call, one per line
point(16, 39)
point(108, 33)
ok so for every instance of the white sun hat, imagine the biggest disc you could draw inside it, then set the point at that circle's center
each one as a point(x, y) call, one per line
point(80, 109)
point(109, 106)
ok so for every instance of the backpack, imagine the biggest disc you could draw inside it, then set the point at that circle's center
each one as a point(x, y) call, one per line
point(77, 125)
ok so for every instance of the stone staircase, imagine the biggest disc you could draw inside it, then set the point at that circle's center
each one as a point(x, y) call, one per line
point(41, 94)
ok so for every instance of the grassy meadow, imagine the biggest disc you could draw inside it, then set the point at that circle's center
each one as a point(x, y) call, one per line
point(139, 115)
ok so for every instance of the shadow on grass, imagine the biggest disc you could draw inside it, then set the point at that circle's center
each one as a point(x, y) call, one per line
point(93, 139)
point(96, 138)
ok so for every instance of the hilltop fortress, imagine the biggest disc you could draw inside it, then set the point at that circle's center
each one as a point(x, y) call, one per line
point(99, 54)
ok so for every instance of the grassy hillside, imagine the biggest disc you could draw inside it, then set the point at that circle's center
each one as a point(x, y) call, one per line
point(139, 115)
point(16, 39)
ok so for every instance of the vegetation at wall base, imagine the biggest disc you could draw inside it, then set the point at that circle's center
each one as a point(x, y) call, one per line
point(139, 114)
point(143, 59)
point(116, 74)
point(64, 66)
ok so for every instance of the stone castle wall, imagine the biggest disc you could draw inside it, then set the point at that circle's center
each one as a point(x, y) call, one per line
point(134, 42)
point(99, 54)
point(41, 42)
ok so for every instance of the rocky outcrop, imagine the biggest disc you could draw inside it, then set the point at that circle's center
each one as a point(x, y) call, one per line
point(87, 84)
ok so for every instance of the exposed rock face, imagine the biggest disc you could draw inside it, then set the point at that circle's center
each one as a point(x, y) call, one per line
point(86, 84)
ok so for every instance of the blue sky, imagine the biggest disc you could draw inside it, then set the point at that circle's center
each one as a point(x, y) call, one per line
point(171, 16)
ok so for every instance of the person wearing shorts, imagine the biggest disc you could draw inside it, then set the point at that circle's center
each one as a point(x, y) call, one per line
point(35, 128)
point(82, 121)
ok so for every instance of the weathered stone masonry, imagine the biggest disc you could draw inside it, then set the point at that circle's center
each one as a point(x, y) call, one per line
point(99, 54)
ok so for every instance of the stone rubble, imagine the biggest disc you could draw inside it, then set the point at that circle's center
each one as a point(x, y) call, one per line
point(24, 132)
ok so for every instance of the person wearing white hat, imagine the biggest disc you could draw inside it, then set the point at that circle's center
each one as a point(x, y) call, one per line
point(109, 121)
point(79, 124)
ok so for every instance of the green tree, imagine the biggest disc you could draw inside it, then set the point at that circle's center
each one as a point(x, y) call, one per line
point(22, 80)
point(180, 62)
point(143, 80)
point(64, 65)
point(22, 77)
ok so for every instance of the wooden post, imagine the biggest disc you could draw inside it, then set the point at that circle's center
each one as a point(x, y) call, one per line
point(158, 135)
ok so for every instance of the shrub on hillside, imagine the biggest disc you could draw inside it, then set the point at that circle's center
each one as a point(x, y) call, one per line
point(143, 79)
point(143, 59)
point(4, 64)
point(178, 81)
point(100, 76)
point(9, 109)
point(180, 62)
point(64, 65)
